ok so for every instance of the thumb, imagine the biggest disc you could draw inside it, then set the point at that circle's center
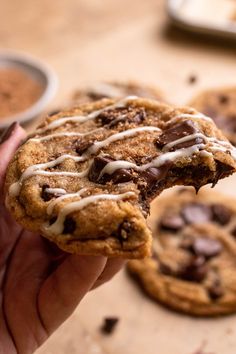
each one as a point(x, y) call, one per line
point(9, 142)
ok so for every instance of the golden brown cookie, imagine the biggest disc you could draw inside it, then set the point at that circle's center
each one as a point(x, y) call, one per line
point(86, 177)
point(193, 267)
point(219, 104)
point(114, 89)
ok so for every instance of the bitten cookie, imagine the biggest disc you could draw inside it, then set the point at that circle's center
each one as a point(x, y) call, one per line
point(115, 89)
point(86, 177)
point(193, 267)
point(219, 104)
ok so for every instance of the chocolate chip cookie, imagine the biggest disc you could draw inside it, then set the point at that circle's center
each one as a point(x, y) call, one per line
point(219, 104)
point(193, 266)
point(86, 177)
point(115, 89)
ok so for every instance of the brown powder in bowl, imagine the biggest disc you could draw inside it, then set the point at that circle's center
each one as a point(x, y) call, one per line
point(18, 91)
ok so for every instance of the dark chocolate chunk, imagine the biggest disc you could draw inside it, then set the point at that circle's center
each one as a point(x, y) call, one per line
point(172, 222)
point(109, 325)
point(222, 170)
point(196, 213)
point(221, 214)
point(177, 131)
point(124, 230)
point(233, 231)
point(69, 226)
point(82, 146)
point(195, 271)
point(155, 174)
point(206, 247)
point(46, 196)
point(215, 291)
point(52, 220)
point(98, 164)
point(119, 176)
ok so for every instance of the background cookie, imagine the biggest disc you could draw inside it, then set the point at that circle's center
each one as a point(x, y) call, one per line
point(86, 177)
point(219, 104)
point(193, 267)
point(114, 89)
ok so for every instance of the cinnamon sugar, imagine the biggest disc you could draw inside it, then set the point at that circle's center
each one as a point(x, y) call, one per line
point(18, 91)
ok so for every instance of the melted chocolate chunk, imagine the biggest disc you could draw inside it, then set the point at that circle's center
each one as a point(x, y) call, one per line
point(153, 176)
point(195, 271)
point(98, 165)
point(109, 325)
point(177, 131)
point(222, 171)
point(172, 222)
point(46, 196)
point(206, 247)
point(69, 226)
point(221, 214)
point(82, 146)
point(119, 176)
point(215, 291)
point(233, 232)
point(196, 213)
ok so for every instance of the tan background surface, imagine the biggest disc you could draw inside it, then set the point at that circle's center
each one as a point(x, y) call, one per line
point(89, 40)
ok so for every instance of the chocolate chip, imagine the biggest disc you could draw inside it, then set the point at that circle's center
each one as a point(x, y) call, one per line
point(109, 325)
point(69, 226)
point(172, 222)
point(221, 214)
point(223, 99)
point(124, 230)
point(52, 220)
point(140, 116)
point(46, 196)
point(206, 247)
point(196, 213)
point(121, 176)
point(82, 146)
point(195, 271)
point(177, 131)
point(215, 291)
point(99, 163)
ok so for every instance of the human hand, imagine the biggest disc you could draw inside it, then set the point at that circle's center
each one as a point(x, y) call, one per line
point(40, 285)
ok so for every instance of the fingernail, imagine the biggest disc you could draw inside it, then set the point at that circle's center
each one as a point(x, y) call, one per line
point(8, 132)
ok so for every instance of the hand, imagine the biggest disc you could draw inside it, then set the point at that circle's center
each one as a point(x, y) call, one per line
point(40, 285)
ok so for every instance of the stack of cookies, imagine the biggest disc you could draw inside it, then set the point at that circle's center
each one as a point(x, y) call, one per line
point(86, 177)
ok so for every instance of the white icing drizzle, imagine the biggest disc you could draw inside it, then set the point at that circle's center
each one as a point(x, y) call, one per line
point(55, 191)
point(118, 136)
point(193, 116)
point(57, 227)
point(159, 161)
point(38, 169)
point(184, 139)
point(53, 203)
point(105, 89)
point(63, 134)
point(81, 119)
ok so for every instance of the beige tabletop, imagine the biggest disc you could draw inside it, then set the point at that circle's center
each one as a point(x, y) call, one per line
point(90, 40)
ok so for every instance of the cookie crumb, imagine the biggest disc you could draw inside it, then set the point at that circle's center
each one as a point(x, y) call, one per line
point(192, 79)
point(109, 325)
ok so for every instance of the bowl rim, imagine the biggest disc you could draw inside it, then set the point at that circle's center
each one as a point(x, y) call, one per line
point(47, 94)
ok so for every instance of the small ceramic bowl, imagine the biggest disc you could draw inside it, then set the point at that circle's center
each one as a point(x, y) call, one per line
point(40, 72)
